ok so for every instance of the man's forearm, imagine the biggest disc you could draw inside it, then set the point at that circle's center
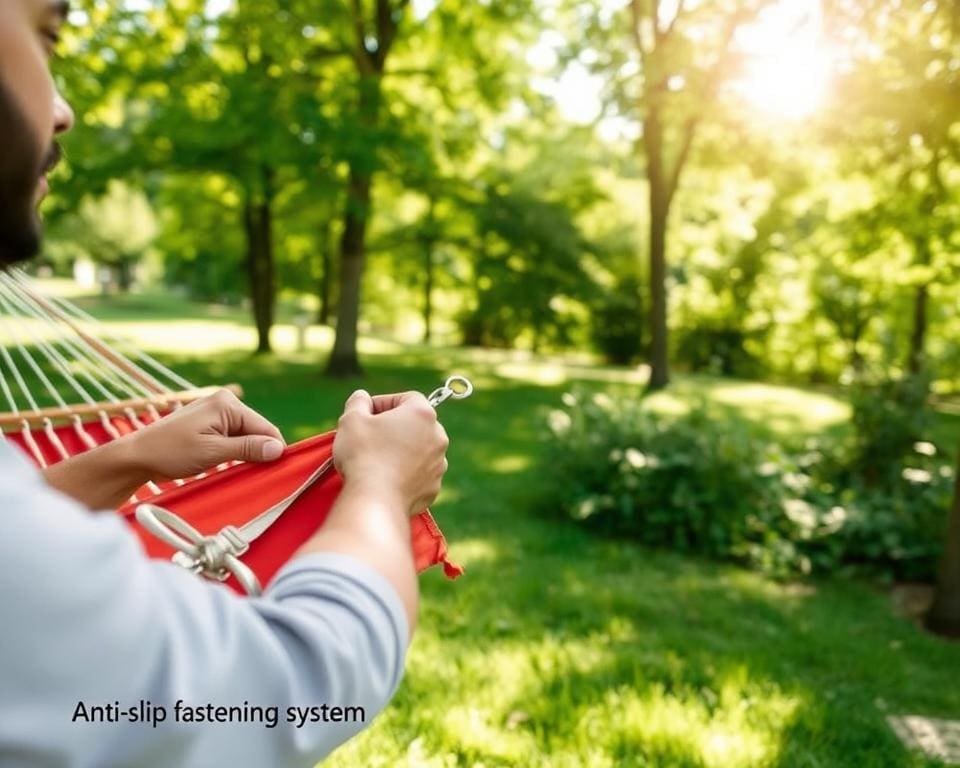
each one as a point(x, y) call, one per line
point(99, 479)
point(372, 526)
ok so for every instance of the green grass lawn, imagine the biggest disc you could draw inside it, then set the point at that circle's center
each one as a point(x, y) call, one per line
point(560, 649)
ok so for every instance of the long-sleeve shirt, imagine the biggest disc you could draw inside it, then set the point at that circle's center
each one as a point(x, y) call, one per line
point(96, 641)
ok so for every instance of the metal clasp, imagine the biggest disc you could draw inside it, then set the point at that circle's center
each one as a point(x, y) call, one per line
point(454, 388)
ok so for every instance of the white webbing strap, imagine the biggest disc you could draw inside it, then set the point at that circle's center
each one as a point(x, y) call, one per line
point(217, 556)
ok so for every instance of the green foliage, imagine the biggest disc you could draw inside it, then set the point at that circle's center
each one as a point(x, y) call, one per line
point(691, 483)
point(617, 322)
point(807, 251)
point(529, 276)
point(117, 230)
point(889, 418)
point(892, 485)
point(721, 351)
point(204, 250)
point(703, 483)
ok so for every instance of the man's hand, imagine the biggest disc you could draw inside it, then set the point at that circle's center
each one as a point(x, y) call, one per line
point(391, 452)
point(392, 446)
point(190, 440)
point(202, 435)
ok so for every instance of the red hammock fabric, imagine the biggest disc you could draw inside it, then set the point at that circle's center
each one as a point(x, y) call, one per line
point(236, 495)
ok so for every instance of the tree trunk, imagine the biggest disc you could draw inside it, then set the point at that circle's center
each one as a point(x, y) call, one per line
point(921, 245)
point(344, 360)
point(472, 325)
point(428, 292)
point(258, 227)
point(643, 345)
point(428, 242)
point(124, 276)
point(326, 265)
point(659, 213)
point(856, 358)
point(353, 243)
point(944, 616)
point(918, 336)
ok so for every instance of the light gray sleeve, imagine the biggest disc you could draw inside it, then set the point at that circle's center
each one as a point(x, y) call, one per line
point(86, 618)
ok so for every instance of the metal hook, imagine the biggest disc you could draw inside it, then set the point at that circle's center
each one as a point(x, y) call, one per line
point(463, 383)
point(455, 388)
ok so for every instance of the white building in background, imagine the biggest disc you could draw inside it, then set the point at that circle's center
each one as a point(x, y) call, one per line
point(85, 274)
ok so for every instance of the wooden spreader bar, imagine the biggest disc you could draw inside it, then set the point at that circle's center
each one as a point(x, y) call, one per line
point(36, 419)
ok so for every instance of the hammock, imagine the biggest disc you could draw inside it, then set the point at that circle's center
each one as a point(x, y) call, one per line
point(237, 523)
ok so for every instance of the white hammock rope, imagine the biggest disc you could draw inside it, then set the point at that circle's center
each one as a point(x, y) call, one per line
point(121, 348)
point(82, 371)
point(95, 367)
point(6, 387)
point(9, 298)
point(95, 363)
point(20, 382)
point(36, 368)
point(76, 362)
point(49, 352)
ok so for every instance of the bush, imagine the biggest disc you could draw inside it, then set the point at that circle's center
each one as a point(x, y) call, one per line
point(617, 323)
point(893, 484)
point(716, 350)
point(693, 483)
point(704, 484)
point(889, 418)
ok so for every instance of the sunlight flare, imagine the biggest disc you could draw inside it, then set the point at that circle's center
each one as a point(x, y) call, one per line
point(787, 65)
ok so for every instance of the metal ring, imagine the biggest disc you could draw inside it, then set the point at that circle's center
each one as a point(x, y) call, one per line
point(459, 386)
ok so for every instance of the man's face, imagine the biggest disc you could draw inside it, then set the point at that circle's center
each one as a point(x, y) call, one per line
point(31, 115)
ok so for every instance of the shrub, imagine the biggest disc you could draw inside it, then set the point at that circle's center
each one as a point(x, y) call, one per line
point(693, 483)
point(717, 350)
point(889, 417)
point(706, 484)
point(617, 323)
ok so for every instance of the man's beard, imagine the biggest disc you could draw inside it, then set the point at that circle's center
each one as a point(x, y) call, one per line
point(21, 164)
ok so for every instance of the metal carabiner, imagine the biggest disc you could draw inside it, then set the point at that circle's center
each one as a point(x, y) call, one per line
point(454, 388)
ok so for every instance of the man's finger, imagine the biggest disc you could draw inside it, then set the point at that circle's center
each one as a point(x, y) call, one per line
point(384, 403)
point(360, 401)
point(243, 420)
point(254, 448)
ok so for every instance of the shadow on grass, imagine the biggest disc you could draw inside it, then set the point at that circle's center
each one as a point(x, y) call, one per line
point(650, 659)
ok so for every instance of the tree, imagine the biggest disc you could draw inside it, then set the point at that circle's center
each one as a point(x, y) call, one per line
point(898, 121)
point(685, 57)
point(527, 269)
point(115, 230)
point(371, 34)
point(202, 94)
point(374, 35)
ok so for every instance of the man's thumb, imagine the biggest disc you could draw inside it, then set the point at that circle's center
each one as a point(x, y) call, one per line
point(256, 448)
point(359, 401)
